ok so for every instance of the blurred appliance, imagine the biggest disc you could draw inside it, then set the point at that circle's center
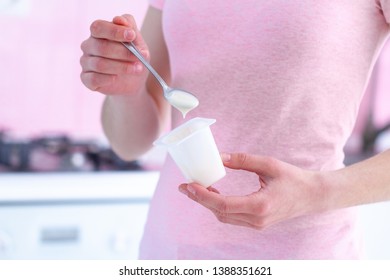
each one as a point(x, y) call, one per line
point(62, 198)
point(73, 215)
point(372, 132)
point(58, 153)
point(374, 138)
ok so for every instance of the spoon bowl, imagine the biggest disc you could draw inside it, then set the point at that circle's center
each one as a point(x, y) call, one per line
point(178, 98)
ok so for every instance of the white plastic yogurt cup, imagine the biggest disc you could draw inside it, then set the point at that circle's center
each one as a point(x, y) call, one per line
point(193, 149)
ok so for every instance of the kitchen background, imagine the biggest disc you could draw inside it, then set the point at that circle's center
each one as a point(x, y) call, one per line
point(63, 193)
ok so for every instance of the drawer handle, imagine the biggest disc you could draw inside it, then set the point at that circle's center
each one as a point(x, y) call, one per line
point(59, 235)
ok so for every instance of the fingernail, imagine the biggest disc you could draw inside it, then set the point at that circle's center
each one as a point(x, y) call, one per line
point(129, 35)
point(191, 189)
point(183, 190)
point(225, 157)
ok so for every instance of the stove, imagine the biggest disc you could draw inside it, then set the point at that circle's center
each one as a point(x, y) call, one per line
point(53, 153)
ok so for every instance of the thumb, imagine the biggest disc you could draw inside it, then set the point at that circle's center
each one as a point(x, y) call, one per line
point(258, 164)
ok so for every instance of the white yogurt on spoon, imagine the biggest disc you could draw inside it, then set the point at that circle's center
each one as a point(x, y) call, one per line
point(183, 101)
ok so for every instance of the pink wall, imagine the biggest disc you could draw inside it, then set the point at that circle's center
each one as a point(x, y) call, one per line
point(40, 88)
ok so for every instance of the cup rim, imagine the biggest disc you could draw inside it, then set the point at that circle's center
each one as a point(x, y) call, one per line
point(206, 123)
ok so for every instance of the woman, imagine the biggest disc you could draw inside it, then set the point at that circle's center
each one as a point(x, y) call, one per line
point(284, 81)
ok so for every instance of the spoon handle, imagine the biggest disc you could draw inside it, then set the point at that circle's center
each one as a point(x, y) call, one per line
point(131, 47)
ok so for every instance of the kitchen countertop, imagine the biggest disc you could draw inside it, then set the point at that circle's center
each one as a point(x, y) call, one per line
point(74, 186)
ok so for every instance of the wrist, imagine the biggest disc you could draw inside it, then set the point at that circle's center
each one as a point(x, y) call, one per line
point(325, 191)
point(335, 190)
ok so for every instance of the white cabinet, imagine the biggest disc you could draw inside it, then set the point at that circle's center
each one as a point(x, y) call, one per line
point(100, 216)
point(375, 225)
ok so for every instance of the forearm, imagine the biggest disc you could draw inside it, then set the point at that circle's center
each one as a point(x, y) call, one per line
point(365, 182)
point(134, 111)
point(131, 123)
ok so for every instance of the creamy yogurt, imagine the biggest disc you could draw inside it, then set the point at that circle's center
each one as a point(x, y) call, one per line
point(183, 101)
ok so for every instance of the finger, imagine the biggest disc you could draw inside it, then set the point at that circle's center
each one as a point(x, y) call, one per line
point(213, 189)
point(216, 201)
point(121, 20)
point(108, 49)
point(95, 81)
point(129, 21)
point(138, 40)
point(258, 164)
point(108, 66)
point(125, 20)
point(239, 220)
point(114, 32)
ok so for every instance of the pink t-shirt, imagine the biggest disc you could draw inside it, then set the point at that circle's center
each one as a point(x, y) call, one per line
point(284, 79)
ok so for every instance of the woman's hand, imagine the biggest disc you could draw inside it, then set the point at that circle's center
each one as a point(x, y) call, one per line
point(284, 192)
point(107, 66)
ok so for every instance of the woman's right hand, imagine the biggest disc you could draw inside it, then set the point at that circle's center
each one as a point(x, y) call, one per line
point(107, 66)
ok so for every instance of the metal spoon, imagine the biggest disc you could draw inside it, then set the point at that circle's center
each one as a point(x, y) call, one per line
point(180, 99)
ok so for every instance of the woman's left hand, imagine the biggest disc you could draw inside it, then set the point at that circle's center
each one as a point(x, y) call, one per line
point(284, 191)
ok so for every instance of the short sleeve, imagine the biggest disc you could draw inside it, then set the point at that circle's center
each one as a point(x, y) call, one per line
point(385, 5)
point(158, 4)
